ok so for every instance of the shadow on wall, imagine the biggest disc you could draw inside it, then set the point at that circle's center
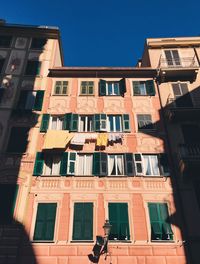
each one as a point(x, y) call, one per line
point(16, 163)
point(180, 118)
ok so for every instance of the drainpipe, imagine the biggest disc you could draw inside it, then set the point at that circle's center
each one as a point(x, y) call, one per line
point(184, 234)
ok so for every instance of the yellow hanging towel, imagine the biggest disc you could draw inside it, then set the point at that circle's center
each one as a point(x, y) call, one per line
point(102, 139)
point(57, 139)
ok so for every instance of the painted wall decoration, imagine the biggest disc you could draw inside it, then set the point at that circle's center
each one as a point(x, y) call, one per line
point(15, 62)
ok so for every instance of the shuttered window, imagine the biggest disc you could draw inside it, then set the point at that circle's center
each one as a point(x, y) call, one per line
point(45, 123)
point(38, 43)
point(5, 41)
point(112, 87)
point(33, 68)
point(30, 100)
point(100, 164)
point(18, 140)
point(39, 164)
point(144, 88)
point(83, 221)
point(160, 222)
point(45, 222)
point(8, 195)
point(118, 217)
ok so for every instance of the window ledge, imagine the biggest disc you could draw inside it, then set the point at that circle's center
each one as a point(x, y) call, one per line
point(42, 242)
point(162, 241)
point(86, 94)
point(60, 95)
point(82, 241)
point(120, 241)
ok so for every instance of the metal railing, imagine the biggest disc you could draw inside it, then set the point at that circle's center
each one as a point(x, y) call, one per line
point(189, 150)
point(186, 62)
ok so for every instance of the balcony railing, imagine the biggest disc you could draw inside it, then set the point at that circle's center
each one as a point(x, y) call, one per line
point(186, 62)
point(191, 151)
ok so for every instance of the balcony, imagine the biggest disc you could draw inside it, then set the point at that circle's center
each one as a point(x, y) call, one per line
point(189, 159)
point(182, 109)
point(183, 69)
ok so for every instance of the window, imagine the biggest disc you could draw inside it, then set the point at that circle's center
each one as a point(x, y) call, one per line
point(2, 61)
point(159, 220)
point(112, 88)
point(172, 58)
point(86, 123)
point(5, 41)
point(181, 95)
point(61, 87)
point(87, 88)
point(31, 100)
point(116, 165)
point(8, 195)
point(56, 122)
point(38, 43)
point(151, 166)
point(84, 164)
point(118, 217)
point(114, 123)
point(144, 122)
point(18, 140)
point(45, 222)
point(144, 88)
point(52, 165)
point(83, 221)
point(33, 68)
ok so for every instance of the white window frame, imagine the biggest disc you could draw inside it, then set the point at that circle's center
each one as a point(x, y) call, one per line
point(85, 162)
point(52, 167)
point(114, 123)
point(151, 166)
point(59, 122)
point(115, 164)
point(86, 123)
point(173, 59)
point(113, 88)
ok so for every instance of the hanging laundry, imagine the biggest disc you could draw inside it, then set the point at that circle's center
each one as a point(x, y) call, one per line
point(102, 139)
point(79, 139)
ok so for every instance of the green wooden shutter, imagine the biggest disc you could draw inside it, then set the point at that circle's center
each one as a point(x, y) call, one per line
point(136, 88)
point(83, 221)
point(39, 163)
point(118, 217)
point(129, 164)
point(45, 222)
point(45, 123)
point(97, 122)
point(166, 227)
point(63, 164)
point(156, 224)
point(38, 101)
point(150, 87)
point(100, 164)
point(126, 123)
point(67, 121)
point(122, 86)
point(74, 123)
point(164, 165)
point(102, 87)
point(38, 67)
point(124, 222)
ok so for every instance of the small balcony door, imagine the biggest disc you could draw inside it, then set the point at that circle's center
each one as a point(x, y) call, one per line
point(172, 58)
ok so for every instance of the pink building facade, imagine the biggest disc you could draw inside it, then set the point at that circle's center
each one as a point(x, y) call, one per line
point(95, 148)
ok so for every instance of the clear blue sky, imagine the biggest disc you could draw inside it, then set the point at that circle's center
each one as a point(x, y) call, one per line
point(107, 32)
